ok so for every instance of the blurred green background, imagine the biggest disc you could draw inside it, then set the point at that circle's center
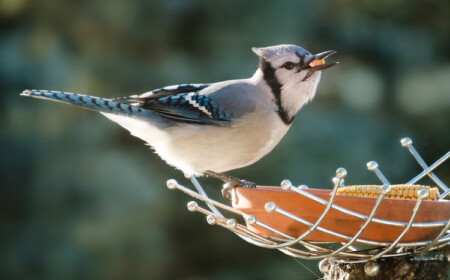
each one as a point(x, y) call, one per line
point(82, 199)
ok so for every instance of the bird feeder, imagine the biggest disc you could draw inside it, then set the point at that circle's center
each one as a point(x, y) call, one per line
point(366, 222)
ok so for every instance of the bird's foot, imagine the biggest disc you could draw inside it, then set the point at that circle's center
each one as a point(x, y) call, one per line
point(244, 183)
point(231, 182)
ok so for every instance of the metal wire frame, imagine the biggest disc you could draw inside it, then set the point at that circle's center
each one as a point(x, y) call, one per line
point(297, 247)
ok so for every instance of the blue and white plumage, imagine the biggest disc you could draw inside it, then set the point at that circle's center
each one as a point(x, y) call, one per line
point(212, 128)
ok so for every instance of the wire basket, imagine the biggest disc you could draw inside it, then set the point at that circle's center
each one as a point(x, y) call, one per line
point(348, 229)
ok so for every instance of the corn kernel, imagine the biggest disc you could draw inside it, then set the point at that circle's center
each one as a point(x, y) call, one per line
point(397, 191)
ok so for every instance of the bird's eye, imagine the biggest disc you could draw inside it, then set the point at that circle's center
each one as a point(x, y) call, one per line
point(288, 65)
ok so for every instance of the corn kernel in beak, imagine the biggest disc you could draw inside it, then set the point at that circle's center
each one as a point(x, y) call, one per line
point(317, 62)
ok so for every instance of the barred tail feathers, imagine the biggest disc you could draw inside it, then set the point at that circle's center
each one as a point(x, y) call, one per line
point(85, 101)
point(141, 122)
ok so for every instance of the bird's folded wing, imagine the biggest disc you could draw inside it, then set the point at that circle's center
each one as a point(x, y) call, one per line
point(165, 91)
point(183, 103)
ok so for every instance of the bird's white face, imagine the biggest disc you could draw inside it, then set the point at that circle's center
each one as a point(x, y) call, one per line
point(298, 84)
point(293, 75)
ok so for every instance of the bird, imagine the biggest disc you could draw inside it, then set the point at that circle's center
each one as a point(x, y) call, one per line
point(208, 129)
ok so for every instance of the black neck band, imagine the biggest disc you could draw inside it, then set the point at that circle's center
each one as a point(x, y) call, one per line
point(275, 86)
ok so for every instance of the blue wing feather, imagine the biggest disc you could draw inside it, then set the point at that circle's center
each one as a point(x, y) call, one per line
point(183, 103)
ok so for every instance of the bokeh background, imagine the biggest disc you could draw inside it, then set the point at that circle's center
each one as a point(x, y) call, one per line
point(82, 199)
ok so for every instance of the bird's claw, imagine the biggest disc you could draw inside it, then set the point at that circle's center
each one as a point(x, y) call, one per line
point(246, 184)
point(226, 191)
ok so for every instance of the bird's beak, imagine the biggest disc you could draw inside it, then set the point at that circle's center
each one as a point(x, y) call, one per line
point(318, 62)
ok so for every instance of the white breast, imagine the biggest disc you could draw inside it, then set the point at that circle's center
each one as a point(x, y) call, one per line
point(195, 149)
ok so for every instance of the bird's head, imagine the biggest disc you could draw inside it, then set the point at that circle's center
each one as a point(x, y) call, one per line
point(293, 74)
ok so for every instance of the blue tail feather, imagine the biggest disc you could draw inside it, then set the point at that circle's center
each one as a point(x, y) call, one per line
point(85, 101)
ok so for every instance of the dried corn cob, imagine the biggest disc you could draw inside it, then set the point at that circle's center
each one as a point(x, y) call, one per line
point(397, 191)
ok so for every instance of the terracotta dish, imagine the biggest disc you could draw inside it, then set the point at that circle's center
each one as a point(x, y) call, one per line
point(252, 202)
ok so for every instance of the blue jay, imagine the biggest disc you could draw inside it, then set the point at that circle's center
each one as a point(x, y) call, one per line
point(207, 129)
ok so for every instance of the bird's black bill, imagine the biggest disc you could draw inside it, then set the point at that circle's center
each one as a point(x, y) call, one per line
point(324, 55)
point(318, 63)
